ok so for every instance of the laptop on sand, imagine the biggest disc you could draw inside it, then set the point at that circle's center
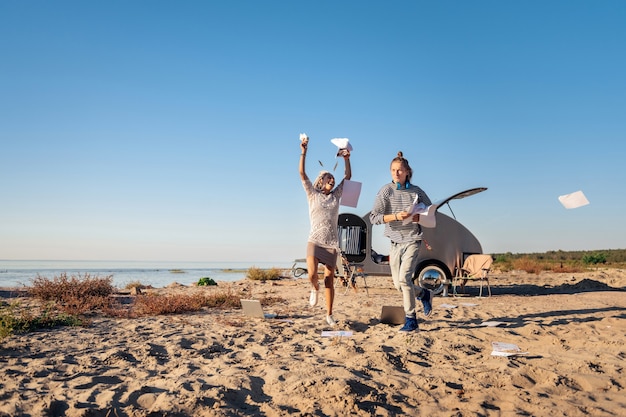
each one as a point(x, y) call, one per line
point(392, 315)
point(253, 308)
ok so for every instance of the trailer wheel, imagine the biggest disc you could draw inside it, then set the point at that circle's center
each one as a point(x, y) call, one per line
point(432, 277)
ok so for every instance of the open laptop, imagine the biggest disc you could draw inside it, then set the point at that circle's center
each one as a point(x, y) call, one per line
point(392, 315)
point(253, 308)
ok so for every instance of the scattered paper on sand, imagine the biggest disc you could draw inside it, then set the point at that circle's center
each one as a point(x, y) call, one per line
point(491, 323)
point(337, 333)
point(191, 364)
point(506, 349)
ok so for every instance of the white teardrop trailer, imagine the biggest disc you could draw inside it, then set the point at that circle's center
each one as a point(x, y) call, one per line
point(444, 247)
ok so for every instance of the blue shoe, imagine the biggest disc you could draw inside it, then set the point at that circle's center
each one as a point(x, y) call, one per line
point(426, 298)
point(410, 325)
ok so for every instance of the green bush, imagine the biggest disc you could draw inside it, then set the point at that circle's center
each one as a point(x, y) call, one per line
point(594, 258)
point(204, 281)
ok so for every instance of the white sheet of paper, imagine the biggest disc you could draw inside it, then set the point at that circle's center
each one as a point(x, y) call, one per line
point(342, 143)
point(491, 323)
point(447, 305)
point(351, 193)
point(506, 349)
point(573, 200)
point(428, 218)
point(427, 214)
point(337, 333)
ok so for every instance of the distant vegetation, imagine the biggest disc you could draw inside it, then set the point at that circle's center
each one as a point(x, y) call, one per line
point(560, 261)
point(258, 274)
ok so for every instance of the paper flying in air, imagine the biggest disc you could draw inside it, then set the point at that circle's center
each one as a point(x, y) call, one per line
point(573, 200)
point(341, 143)
point(351, 193)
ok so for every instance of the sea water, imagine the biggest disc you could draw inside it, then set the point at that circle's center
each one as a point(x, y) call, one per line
point(154, 273)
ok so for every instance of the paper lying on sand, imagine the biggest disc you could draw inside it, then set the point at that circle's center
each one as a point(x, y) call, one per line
point(427, 214)
point(337, 333)
point(573, 200)
point(351, 193)
point(491, 323)
point(444, 305)
point(506, 349)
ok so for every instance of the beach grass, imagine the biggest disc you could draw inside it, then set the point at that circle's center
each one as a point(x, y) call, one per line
point(70, 300)
point(258, 274)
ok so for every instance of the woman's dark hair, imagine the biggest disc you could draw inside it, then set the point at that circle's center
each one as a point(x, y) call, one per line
point(405, 165)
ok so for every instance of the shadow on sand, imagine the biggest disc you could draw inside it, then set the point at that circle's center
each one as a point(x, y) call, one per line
point(585, 285)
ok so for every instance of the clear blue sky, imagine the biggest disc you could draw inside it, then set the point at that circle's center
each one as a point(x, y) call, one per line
point(168, 130)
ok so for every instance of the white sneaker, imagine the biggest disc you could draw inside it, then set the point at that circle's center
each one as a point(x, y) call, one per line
point(313, 298)
point(331, 322)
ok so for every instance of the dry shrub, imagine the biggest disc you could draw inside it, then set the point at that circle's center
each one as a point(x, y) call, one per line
point(570, 269)
point(153, 304)
point(223, 299)
point(118, 309)
point(258, 274)
point(529, 265)
point(135, 284)
point(269, 300)
point(75, 294)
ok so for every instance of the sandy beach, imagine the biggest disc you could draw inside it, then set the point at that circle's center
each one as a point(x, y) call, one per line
point(570, 328)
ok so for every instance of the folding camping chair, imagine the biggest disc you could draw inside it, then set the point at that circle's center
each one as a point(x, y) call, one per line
point(475, 267)
point(352, 233)
point(347, 273)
